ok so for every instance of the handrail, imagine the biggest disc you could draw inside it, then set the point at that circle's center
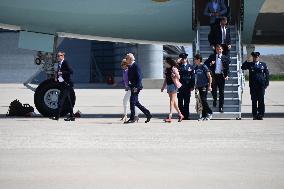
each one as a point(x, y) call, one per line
point(197, 48)
point(241, 80)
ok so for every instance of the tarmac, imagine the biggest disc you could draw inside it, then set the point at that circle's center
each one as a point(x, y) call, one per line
point(98, 151)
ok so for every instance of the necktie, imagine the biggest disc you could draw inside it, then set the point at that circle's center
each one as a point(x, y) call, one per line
point(223, 35)
point(58, 69)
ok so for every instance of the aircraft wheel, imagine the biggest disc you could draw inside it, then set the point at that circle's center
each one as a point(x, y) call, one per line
point(46, 98)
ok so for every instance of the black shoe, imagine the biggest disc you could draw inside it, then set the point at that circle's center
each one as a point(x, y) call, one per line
point(214, 103)
point(259, 117)
point(129, 121)
point(221, 110)
point(148, 118)
point(70, 119)
point(254, 118)
point(55, 118)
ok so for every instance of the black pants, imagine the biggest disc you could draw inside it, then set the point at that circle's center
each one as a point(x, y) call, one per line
point(257, 99)
point(135, 102)
point(65, 94)
point(218, 82)
point(203, 95)
point(183, 102)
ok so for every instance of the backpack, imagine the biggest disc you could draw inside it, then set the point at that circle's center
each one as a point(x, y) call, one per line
point(16, 108)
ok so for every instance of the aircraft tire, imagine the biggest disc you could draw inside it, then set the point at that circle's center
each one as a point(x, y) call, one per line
point(46, 97)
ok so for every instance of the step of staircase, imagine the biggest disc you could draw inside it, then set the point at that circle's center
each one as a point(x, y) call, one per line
point(226, 115)
point(207, 47)
point(231, 87)
point(227, 94)
point(227, 101)
point(233, 73)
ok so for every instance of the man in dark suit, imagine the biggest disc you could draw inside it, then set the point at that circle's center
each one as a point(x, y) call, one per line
point(187, 79)
point(258, 82)
point(220, 34)
point(219, 66)
point(63, 79)
point(135, 85)
point(214, 10)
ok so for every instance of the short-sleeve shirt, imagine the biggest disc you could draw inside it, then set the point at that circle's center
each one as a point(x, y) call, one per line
point(201, 75)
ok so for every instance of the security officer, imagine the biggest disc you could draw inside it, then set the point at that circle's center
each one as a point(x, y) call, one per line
point(187, 79)
point(63, 78)
point(258, 82)
point(218, 64)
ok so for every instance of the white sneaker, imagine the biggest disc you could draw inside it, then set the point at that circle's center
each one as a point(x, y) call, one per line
point(202, 119)
point(209, 116)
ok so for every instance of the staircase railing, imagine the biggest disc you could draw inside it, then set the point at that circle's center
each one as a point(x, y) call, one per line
point(196, 43)
point(241, 79)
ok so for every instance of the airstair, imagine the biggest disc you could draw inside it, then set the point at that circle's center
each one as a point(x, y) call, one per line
point(234, 86)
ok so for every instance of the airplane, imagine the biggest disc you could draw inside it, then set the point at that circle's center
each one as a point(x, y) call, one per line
point(163, 22)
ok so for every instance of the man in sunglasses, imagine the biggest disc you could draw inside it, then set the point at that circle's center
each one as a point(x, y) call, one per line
point(62, 77)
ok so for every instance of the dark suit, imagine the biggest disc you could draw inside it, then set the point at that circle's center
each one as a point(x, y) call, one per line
point(218, 80)
point(135, 82)
point(187, 79)
point(258, 82)
point(209, 9)
point(215, 37)
point(65, 87)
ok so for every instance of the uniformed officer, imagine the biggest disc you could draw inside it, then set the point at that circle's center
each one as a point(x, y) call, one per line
point(258, 82)
point(187, 79)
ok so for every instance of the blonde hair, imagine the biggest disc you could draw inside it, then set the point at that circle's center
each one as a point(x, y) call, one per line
point(123, 63)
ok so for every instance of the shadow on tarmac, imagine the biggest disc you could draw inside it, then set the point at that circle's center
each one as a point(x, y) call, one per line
point(193, 116)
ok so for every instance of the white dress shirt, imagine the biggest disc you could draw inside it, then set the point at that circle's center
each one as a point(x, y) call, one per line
point(60, 78)
point(219, 65)
point(215, 6)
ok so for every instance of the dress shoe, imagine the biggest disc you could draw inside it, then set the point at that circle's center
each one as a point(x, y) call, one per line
point(70, 119)
point(214, 103)
point(168, 119)
point(221, 110)
point(148, 118)
point(132, 120)
point(180, 118)
point(55, 118)
point(254, 118)
point(259, 117)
